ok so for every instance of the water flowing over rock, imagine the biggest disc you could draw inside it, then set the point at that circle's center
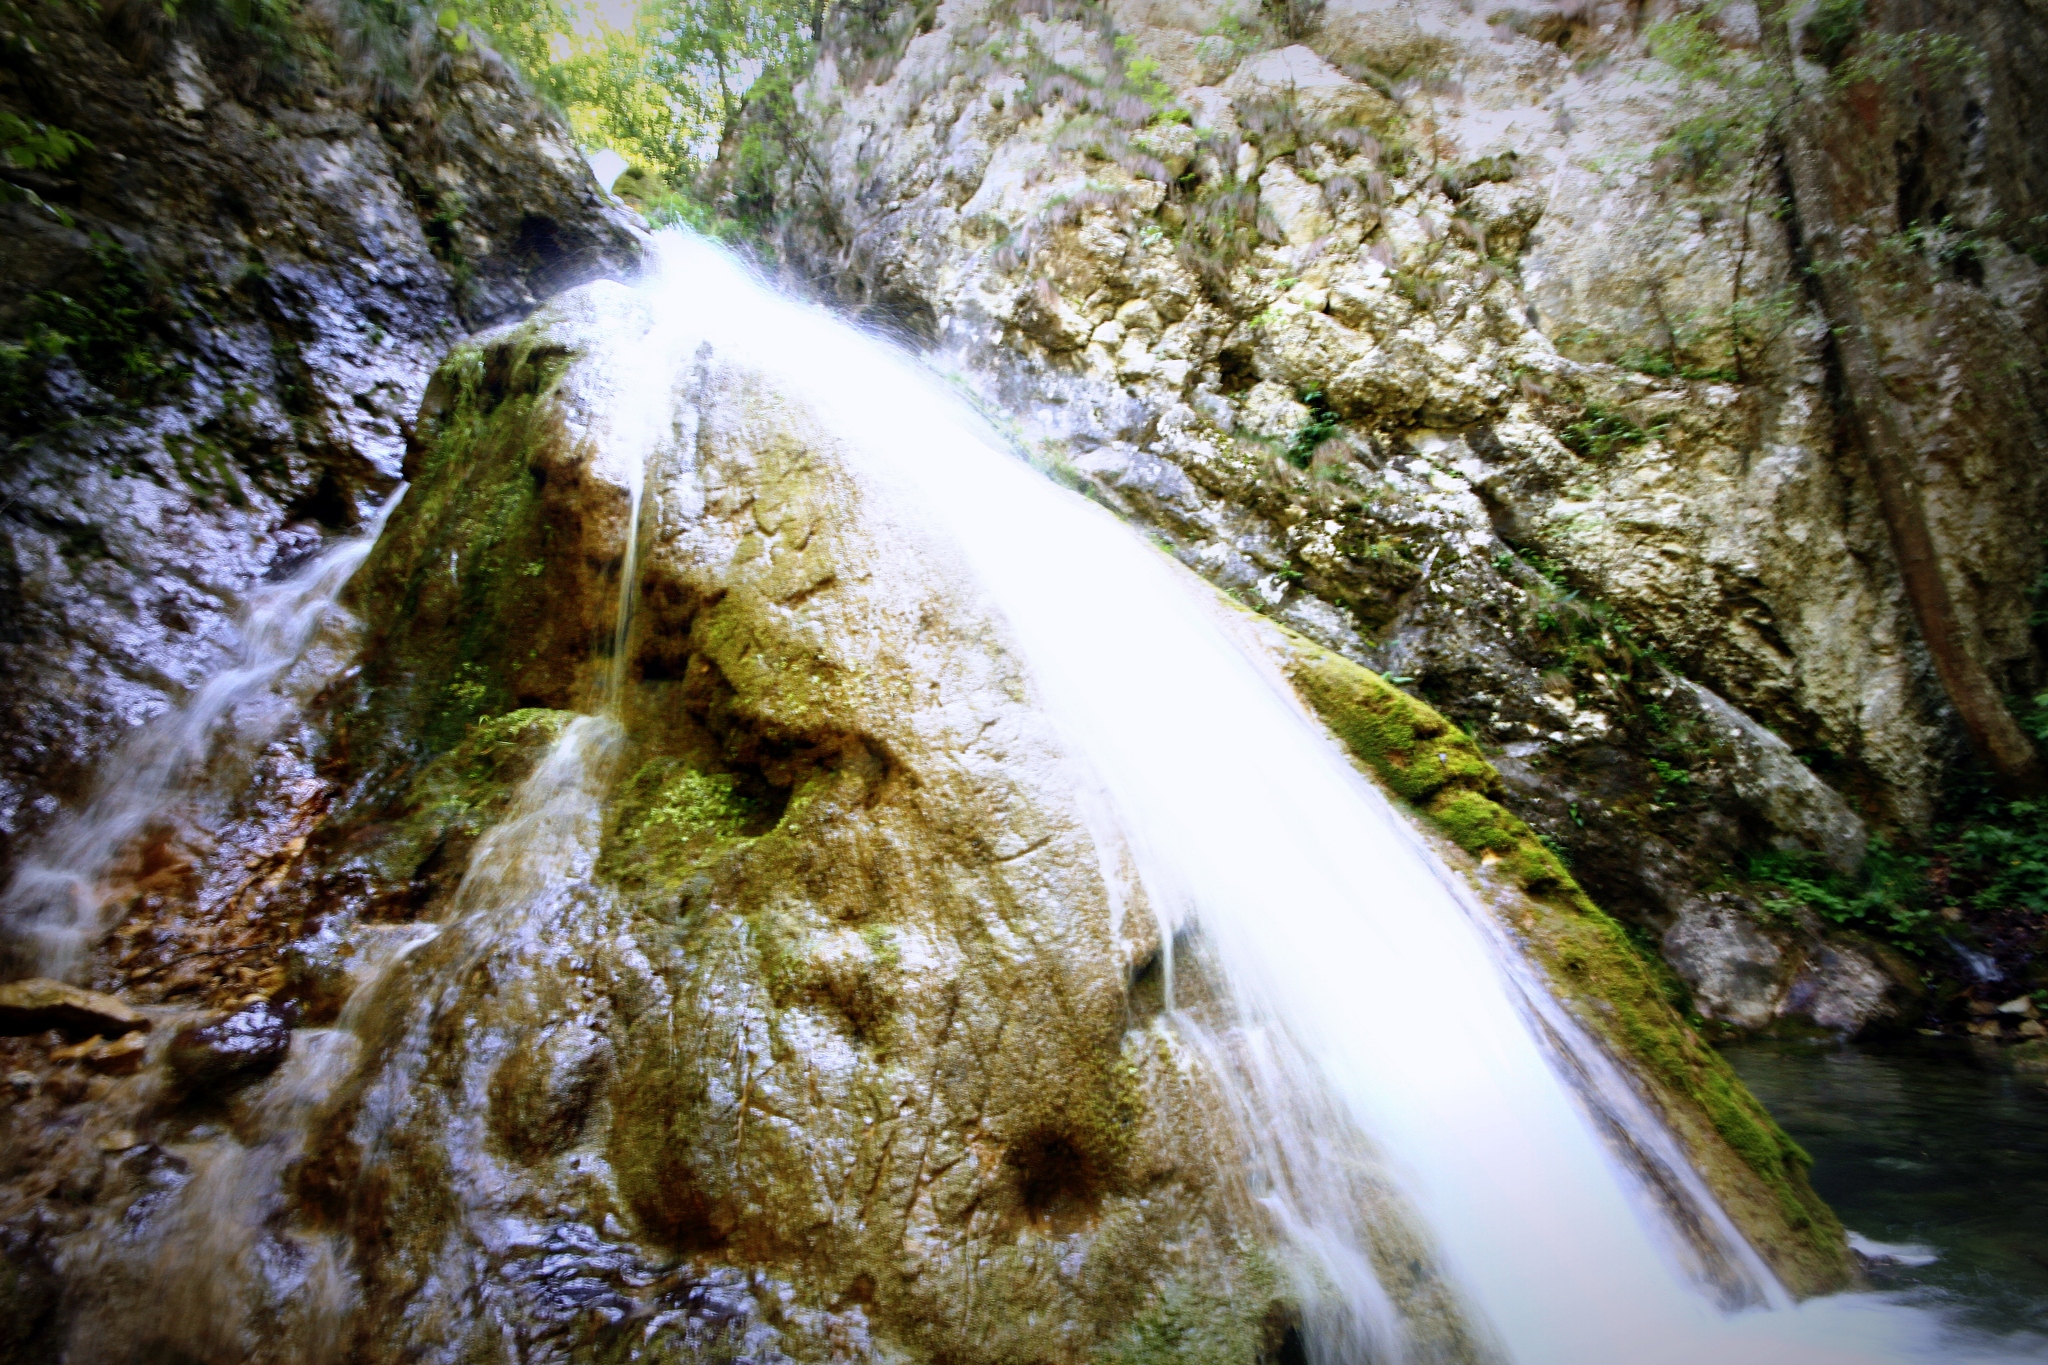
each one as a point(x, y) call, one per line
point(819, 996)
point(730, 862)
point(1539, 337)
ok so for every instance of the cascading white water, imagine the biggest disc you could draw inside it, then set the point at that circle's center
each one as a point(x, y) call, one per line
point(221, 1273)
point(1377, 1029)
point(292, 639)
point(1353, 960)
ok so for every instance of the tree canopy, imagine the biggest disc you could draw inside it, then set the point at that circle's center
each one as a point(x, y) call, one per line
point(658, 85)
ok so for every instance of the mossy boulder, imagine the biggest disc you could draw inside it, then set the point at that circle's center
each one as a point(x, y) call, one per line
point(1626, 997)
point(493, 586)
point(809, 963)
point(815, 967)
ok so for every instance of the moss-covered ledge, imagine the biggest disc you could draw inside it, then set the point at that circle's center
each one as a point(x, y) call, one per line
point(1439, 771)
point(494, 586)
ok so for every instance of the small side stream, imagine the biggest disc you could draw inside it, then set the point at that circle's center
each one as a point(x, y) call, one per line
point(1935, 1144)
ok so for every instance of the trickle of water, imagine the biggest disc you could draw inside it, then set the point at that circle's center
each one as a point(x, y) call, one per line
point(293, 638)
point(214, 1269)
point(1354, 962)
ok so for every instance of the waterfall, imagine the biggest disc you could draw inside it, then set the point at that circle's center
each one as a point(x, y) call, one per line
point(292, 639)
point(1354, 962)
point(1388, 1060)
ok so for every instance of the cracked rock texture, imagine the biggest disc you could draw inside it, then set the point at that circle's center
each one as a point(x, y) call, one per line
point(1403, 328)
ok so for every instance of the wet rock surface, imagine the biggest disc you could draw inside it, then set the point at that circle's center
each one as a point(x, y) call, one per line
point(742, 998)
point(239, 1048)
point(789, 1016)
point(37, 1003)
point(255, 262)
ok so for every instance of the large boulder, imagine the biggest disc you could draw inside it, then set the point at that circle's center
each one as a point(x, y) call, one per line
point(807, 967)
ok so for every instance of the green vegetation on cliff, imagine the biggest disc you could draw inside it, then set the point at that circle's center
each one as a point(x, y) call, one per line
point(115, 329)
point(1978, 877)
point(664, 89)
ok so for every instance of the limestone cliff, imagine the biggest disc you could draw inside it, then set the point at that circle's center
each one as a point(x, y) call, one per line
point(1439, 333)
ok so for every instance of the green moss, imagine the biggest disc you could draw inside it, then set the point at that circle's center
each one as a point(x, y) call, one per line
point(462, 627)
point(1476, 823)
point(671, 817)
point(1589, 956)
point(1411, 748)
point(1191, 1323)
point(690, 801)
point(881, 941)
point(458, 795)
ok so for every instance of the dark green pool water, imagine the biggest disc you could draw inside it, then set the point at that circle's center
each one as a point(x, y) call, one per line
point(1930, 1142)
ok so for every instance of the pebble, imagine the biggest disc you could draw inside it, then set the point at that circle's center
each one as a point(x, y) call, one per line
point(121, 1056)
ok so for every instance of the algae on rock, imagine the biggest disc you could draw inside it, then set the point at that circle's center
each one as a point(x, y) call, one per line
point(1610, 983)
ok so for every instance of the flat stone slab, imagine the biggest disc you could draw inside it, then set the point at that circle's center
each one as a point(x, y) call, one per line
point(39, 1003)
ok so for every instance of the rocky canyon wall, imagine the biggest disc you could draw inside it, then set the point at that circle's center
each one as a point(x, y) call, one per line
point(218, 314)
point(1471, 341)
